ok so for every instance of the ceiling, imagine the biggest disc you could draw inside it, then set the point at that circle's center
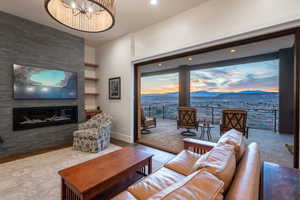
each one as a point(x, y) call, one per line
point(248, 50)
point(132, 15)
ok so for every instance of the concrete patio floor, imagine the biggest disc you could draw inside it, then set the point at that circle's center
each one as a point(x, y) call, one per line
point(167, 137)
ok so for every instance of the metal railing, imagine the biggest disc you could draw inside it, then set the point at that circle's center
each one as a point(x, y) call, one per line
point(257, 118)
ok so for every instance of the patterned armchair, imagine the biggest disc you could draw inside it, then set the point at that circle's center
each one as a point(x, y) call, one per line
point(187, 119)
point(94, 135)
point(234, 119)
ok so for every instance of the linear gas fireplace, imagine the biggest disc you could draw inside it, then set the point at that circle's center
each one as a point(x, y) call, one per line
point(28, 118)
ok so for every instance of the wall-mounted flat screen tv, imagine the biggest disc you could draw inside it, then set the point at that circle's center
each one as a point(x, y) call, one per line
point(41, 83)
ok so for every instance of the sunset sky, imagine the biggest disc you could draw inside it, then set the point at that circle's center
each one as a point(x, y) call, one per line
point(251, 76)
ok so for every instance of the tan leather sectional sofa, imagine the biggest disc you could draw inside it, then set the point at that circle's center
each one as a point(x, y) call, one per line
point(204, 171)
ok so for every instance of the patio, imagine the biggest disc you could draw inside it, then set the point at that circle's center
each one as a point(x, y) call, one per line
point(167, 137)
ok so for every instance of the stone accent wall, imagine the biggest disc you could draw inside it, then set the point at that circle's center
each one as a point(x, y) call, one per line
point(27, 43)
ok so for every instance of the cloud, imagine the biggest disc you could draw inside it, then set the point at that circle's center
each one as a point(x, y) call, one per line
point(253, 83)
point(169, 79)
point(230, 82)
point(161, 90)
point(196, 81)
point(223, 73)
point(260, 73)
point(225, 82)
point(254, 76)
point(202, 75)
point(210, 84)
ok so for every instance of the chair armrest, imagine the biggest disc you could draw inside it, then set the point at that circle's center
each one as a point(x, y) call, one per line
point(85, 132)
point(198, 146)
point(87, 125)
point(82, 126)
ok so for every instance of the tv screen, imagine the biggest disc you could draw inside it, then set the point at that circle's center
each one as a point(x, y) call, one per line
point(40, 83)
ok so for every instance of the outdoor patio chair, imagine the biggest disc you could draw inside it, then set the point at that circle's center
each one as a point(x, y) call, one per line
point(234, 119)
point(147, 122)
point(187, 119)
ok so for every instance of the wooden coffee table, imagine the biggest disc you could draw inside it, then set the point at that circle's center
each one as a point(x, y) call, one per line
point(105, 176)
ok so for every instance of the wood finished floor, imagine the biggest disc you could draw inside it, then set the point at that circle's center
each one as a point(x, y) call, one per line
point(160, 155)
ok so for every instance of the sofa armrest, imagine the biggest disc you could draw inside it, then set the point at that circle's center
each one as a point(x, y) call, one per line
point(198, 146)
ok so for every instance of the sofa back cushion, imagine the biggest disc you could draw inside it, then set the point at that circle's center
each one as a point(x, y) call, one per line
point(220, 161)
point(183, 163)
point(199, 185)
point(154, 183)
point(124, 196)
point(245, 185)
point(236, 139)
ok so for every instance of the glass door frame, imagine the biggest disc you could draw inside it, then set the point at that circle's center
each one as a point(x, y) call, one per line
point(292, 31)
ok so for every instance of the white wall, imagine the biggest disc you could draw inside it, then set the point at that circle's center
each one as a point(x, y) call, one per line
point(212, 22)
point(114, 59)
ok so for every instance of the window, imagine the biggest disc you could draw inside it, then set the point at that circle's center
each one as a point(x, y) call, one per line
point(252, 87)
point(160, 95)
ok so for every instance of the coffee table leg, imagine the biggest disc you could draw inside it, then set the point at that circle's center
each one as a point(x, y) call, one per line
point(63, 190)
point(150, 166)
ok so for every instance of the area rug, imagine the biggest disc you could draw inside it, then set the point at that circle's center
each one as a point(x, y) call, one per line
point(36, 178)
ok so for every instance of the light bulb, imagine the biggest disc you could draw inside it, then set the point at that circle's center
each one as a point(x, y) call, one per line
point(73, 5)
point(153, 2)
point(90, 9)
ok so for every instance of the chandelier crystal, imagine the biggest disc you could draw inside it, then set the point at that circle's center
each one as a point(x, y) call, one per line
point(83, 15)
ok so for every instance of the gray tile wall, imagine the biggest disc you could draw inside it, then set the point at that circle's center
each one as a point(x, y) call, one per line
point(27, 43)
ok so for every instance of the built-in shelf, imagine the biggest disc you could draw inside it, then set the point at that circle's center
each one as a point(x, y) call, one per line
point(91, 79)
point(90, 65)
point(91, 94)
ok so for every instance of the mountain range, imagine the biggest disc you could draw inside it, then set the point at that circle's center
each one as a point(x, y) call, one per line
point(204, 93)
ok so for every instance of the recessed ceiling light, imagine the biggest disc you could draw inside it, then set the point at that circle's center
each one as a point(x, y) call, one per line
point(153, 2)
point(90, 9)
point(190, 58)
point(73, 5)
point(232, 50)
point(160, 64)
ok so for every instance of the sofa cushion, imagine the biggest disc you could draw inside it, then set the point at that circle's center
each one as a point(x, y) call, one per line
point(220, 161)
point(245, 185)
point(236, 139)
point(183, 163)
point(124, 196)
point(200, 185)
point(154, 183)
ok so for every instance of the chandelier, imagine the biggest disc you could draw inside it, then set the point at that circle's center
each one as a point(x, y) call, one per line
point(83, 15)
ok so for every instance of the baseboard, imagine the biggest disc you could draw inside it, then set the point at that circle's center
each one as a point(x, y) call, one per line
point(121, 136)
